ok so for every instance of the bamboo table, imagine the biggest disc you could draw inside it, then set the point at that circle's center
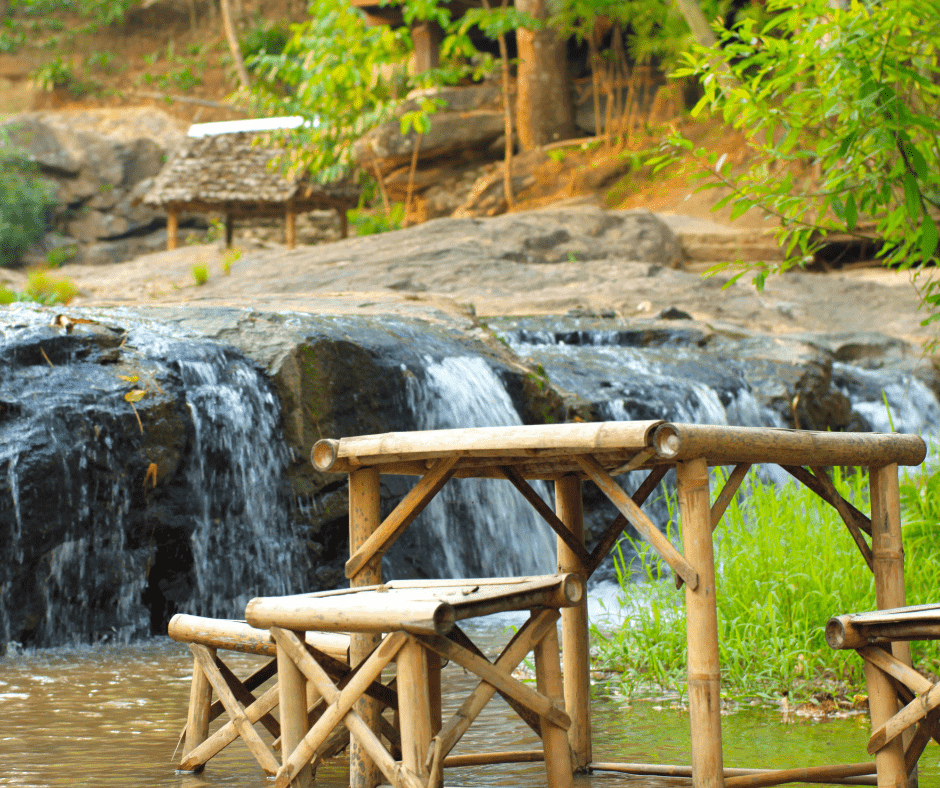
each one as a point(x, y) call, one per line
point(569, 454)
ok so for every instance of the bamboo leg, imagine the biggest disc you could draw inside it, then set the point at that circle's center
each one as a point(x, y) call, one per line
point(554, 739)
point(172, 229)
point(888, 558)
point(200, 701)
point(704, 675)
point(574, 626)
point(293, 703)
point(414, 704)
point(364, 518)
point(434, 687)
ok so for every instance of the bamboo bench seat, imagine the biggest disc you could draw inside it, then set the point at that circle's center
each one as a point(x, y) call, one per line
point(235, 697)
point(419, 620)
point(914, 702)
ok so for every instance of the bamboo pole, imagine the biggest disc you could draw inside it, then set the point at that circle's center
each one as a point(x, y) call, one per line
point(668, 770)
point(704, 676)
point(243, 695)
point(728, 445)
point(434, 688)
point(915, 711)
point(844, 633)
point(364, 518)
point(639, 520)
point(240, 636)
point(574, 624)
point(292, 695)
point(172, 229)
point(414, 706)
point(893, 667)
point(888, 559)
point(489, 758)
point(554, 739)
point(200, 700)
point(344, 455)
point(806, 774)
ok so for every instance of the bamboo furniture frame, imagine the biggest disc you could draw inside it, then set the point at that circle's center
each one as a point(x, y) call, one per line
point(880, 638)
point(569, 455)
point(421, 621)
point(206, 636)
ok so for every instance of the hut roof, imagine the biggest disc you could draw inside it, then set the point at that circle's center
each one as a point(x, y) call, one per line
point(233, 169)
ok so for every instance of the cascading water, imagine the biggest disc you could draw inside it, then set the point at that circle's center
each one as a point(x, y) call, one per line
point(475, 527)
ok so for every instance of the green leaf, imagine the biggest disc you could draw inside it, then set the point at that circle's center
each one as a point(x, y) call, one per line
point(928, 239)
point(851, 212)
point(911, 196)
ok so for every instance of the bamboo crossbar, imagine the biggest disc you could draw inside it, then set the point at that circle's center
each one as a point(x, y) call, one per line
point(668, 770)
point(918, 622)
point(241, 636)
point(488, 758)
point(727, 445)
point(529, 441)
point(420, 607)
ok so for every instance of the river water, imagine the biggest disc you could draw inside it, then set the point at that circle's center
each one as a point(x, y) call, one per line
point(112, 715)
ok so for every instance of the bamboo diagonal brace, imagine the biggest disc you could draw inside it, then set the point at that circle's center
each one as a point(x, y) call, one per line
point(610, 536)
point(926, 730)
point(639, 520)
point(854, 520)
point(225, 735)
point(521, 644)
point(891, 665)
point(251, 738)
point(401, 517)
point(499, 679)
point(547, 514)
point(244, 696)
point(916, 710)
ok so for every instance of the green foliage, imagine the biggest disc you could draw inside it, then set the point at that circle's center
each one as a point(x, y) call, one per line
point(25, 200)
point(27, 18)
point(850, 93)
point(42, 288)
point(200, 272)
point(229, 257)
point(370, 222)
point(333, 72)
point(786, 563)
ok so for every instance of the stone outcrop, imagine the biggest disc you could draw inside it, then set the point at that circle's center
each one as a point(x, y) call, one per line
point(102, 162)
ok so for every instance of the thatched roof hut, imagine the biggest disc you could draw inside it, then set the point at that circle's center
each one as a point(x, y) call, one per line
point(228, 168)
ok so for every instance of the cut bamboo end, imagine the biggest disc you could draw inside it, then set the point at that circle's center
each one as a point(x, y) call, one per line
point(842, 634)
point(324, 453)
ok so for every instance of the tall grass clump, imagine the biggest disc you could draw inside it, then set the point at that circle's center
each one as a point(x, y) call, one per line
point(785, 564)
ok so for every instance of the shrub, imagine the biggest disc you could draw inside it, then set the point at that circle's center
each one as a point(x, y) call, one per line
point(25, 200)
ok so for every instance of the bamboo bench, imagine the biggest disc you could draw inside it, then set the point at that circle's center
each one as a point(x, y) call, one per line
point(907, 699)
point(206, 636)
point(419, 619)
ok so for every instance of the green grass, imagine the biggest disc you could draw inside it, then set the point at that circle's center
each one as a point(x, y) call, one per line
point(786, 563)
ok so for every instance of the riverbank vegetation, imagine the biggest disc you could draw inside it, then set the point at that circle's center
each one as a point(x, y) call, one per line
point(786, 563)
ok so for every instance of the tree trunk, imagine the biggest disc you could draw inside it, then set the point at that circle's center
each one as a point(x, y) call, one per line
point(234, 48)
point(545, 112)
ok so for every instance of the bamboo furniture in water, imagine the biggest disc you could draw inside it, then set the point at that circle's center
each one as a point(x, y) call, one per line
point(571, 454)
point(881, 638)
point(420, 621)
point(206, 636)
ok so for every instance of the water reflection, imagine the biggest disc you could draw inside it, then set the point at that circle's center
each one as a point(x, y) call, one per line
point(112, 716)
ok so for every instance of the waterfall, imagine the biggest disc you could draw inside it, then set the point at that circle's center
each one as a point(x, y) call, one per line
point(475, 527)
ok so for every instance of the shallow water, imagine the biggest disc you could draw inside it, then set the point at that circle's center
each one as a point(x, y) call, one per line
point(111, 716)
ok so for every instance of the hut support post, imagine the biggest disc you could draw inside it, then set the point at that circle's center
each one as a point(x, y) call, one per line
point(229, 227)
point(343, 222)
point(704, 676)
point(172, 229)
point(200, 703)
point(427, 38)
point(290, 228)
point(888, 559)
point(364, 518)
point(574, 626)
